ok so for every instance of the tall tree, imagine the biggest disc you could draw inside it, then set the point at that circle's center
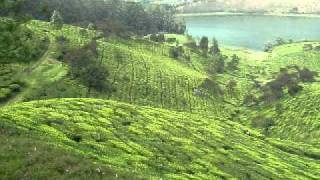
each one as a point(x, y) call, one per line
point(204, 45)
point(215, 47)
point(56, 19)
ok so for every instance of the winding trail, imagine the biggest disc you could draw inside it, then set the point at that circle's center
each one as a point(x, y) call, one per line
point(35, 74)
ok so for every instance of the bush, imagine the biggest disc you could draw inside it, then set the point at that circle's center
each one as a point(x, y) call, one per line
point(262, 122)
point(317, 48)
point(233, 64)
point(307, 75)
point(191, 44)
point(4, 93)
point(250, 99)
point(307, 47)
point(176, 51)
point(19, 44)
point(56, 20)
point(15, 87)
point(294, 89)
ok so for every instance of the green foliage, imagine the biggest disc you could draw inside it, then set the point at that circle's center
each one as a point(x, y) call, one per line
point(63, 88)
point(215, 47)
point(85, 67)
point(204, 45)
point(155, 143)
point(56, 20)
point(31, 158)
point(18, 43)
point(9, 85)
point(233, 64)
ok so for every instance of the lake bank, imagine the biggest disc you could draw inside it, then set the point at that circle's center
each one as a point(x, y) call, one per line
point(247, 14)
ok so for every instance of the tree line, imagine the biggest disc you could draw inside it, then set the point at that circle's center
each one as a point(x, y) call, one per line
point(112, 16)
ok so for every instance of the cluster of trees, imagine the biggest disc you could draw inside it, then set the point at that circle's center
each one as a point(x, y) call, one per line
point(19, 44)
point(278, 42)
point(289, 80)
point(158, 37)
point(86, 68)
point(204, 46)
point(218, 62)
point(112, 16)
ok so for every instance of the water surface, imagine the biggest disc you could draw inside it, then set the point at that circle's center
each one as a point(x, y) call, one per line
point(252, 31)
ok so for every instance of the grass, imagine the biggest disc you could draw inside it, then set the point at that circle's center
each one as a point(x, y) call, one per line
point(157, 143)
point(141, 71)
point(154, 125)
point(29, 158)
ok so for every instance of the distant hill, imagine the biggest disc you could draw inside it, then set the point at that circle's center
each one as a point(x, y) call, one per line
point(285, 6)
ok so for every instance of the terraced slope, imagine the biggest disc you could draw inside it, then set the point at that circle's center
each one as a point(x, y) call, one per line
point(29, 158)
point(142, 72)
point(158, 143)
point(296, 118)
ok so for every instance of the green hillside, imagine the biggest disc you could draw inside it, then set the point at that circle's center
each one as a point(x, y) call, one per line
point(142, 72)
point(158, 143)
point(169, 112)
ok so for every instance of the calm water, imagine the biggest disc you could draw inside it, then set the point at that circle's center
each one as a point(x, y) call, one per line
point(253, 31)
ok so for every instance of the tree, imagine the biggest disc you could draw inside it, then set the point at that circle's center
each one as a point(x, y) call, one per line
point(85, 67)
point(293, 89)
point(215, 47)
point(56, 19)
point(268, 47)
point(233, 64)
point(307, 47)
point(204, 45)
point(220, 63)
point(232, 84)
point(280, 41)
point(307, 75)
point(91, 26)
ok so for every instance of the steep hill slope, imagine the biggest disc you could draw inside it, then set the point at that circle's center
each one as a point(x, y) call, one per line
point(297, 118)
point(142, 72)
point(158, 143)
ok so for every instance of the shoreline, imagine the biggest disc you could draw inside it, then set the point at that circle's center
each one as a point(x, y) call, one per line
point(247, 14)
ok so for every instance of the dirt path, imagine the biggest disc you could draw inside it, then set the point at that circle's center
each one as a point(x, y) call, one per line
point(32, 77)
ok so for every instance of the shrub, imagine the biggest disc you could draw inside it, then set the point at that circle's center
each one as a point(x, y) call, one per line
point(215, 47)
point(233, 64)
point(176, 51)
point(262, 122)
point(204, 45)
point(307, 47)
point(250, 99)
point(317, 48)
point(268, 47)
point(307, 75)
point(171, 40)
point(294, 89)
point(56, 20)
point(212, 86)
point(15, 87)
point(191, 44)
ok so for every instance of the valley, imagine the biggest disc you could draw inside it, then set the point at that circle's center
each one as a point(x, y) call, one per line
point(220, 101)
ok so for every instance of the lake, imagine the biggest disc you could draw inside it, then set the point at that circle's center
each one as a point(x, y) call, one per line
point(253, 31)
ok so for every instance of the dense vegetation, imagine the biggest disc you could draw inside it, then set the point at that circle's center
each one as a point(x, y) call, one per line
point(159, 106)
point(111, 16)
point(159, 143)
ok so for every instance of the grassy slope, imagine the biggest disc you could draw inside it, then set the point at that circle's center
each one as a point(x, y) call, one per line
point(147, 76)
point(144, 74)
point(159, 143)
point(298, 119)
point(28, 158)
